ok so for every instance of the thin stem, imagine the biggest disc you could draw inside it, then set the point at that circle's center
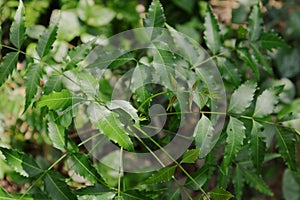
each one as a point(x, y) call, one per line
point(120, 171)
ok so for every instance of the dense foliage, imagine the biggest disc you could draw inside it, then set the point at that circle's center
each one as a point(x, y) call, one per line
point(60, 74)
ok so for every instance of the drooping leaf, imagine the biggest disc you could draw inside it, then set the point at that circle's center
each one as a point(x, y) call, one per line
point(56, 187)
point(47, 39)
point(107, 122)
point(212, 32)
point(83, 166)
point(256, 181)
point(234, 141)
point(203, 134)
point(238, 183)
point(257, 146)
point(8, 64)
point(125, 106)
point(56, 100)
point(32, 81)
point(54, 84)
point(155, 16)
point(271, 40)
point(57, 135)
point(242, 97)
point(255, 23)
point(17, 30)
point(190, 156)
point(220, 194)
point(162, 175)
point(266, 102)
point(286, 144)
point(245, 55)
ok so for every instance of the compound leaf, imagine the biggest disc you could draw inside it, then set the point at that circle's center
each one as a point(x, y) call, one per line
point(162, 175)
point(8, 64)
point(17, 30)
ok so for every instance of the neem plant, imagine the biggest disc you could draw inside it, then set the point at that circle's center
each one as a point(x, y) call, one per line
point(126, 117)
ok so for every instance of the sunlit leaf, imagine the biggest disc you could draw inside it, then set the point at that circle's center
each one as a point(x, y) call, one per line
point(57, 135)
point(162, 175)
point(190, 156)
point(18, 29)
point(56, 100)
point(155, 16)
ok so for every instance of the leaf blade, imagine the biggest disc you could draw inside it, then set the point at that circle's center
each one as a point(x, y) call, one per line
point(8, 64)
point(155, 16)
point(255, 23)
point(57, 135)
point(17, 30)
point(162, 175)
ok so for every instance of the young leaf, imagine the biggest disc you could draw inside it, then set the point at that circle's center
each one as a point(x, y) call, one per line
point(47, 39)
point(271, 40)
point(255, 23)
point(125, 106)
point(238, 183)
point(57, 187)
point(285, 142)
point(107, 122)
point(266, 102)
point(245, 55)
point(162, 175)
point(155, 16)
point(190, 156)
point(242, 97)
point(256, 181)
point(32, 81)
point(17, 30)
point(211, 34)
point(56, 100)
point(234, 141)
point(83, 166)
point(203, 134)
point(8, 64)
point(57, 135)
point(220, 194)
point(257, 146)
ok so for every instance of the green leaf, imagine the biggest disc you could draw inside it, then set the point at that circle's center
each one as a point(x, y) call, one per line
point(57, 135)
point(203, 134)
point(5, 195)
point(256, 181)
point(200, 176)
point(54, 84)
point(245, 55)
point(135, 195)
point(32, 81)
point(155, 16)
point(290, 188)
point(190, 156)
point(291, 108)
point(162, 175)
point(242, 97)
point(125, 106)
point(234, 141)
point(83, 166)
point(286, 144)
point(8, 64)
point(17, 30)
point(220, 194)
point(47, 39)
point(22, 163)
point(87, 83)
point(266, 102)
point(56, 100)
point(255, 23)
point(257, 146)
point(187, 5)
point(262, 60)
point(95, 190)
point(107, 122)
point(78, 53)
point(57, 188)
point(238, 183)
point(229, 71)
point(211, 34)
point(271, 40)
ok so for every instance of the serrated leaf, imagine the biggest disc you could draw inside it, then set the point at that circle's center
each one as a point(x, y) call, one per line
point(87, 83)
point(54, 84)
point(234, 141)
point(155, 16)
point(32, 81)
point(47, 39)
point(17, 30)
point(220, 194)
point(286, 144)
point(256, 181)
point(125, 106)
point(245, 55)
point(238, 183)
point(203, 134)
point(57, 135)
point(266, 102)
point(56, 187)
point(262, 60)
point(229, 71)
point(242, 97)
point(162, 175)
point(190, 156)
point(257, 146)
point(8, 64)
point(212, 32)
point(95, 190)
point(271, 40)
point(83, 166)
point(107, 122)
point(22, 163)
point(56, 100)
point(255, 23)
point(200, 176)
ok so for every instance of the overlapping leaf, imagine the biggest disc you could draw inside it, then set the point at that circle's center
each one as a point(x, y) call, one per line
point(245, 55)
point(190, 156)
point(257, 146)
point(8, 64)
point(271, 40)
point(56, 100)
point(17, 30)
point(57, 135)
